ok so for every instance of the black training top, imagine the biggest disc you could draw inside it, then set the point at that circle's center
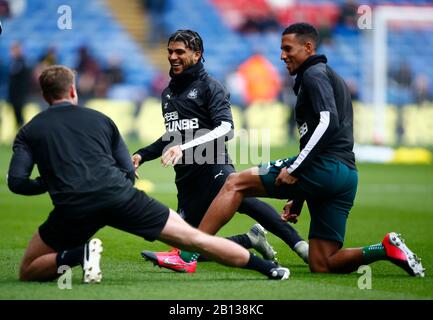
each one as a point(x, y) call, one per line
point(324, 115)
point(193, 105)
point(81, 157)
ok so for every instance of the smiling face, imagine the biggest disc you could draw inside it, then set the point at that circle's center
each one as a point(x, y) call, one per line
point(294, 51)
point(181, 57)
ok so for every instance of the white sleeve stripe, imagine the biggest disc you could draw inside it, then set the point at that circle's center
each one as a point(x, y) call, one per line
point(315, 137)
point(216, 133)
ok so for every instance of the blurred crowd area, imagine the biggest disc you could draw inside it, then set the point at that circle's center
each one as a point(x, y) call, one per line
point(241, 41)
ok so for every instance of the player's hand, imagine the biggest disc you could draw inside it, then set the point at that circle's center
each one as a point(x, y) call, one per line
point(171, 156)
point(285, 177)
point(286, 215)
point(136, 158)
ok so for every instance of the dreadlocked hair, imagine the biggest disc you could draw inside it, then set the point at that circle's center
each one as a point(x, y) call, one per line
point(190, 38)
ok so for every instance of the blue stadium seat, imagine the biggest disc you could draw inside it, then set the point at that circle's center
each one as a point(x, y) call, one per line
point(92, 25)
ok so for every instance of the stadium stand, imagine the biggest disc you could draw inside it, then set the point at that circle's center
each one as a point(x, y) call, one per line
point(226, 48)
point(92, 25)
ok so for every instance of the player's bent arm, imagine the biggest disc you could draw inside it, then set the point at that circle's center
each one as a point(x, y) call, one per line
point(312, 146)
point(20, 169)
point(173, 154)
point(319, 89)
point(26, 186)
point(222, 130)
point(121, 155)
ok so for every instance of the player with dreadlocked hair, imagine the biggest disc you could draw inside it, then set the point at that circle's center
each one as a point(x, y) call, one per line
point(196, 110)
point(191, 39)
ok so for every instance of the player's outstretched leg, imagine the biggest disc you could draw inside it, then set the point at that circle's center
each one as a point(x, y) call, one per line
point(186, 262)
point(181, 235)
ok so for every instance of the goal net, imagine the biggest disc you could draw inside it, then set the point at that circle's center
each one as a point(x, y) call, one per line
point(400, 66)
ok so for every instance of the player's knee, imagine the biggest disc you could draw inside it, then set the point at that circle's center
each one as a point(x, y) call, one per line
point(231, 182)
point(319, 268)
point(318, 265)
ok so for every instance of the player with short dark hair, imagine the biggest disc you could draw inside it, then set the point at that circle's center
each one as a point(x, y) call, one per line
point(304, 32)
point(85, 167)
point(198, 120)
point(323, 173)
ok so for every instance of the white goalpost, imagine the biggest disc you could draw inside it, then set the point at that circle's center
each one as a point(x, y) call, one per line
point(382, 16)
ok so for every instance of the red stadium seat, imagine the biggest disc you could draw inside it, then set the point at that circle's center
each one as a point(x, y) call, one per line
point(312, 13)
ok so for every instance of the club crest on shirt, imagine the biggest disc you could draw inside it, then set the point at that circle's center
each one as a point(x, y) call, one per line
point(192, 94)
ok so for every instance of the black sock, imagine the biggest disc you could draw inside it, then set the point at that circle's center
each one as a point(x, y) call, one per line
point(260, 265)
point(241, 239)
point(266, 215)
point(202, 258)
point(72, 257)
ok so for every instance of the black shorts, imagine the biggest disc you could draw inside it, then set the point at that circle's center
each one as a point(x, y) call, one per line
point(195, 196)
point(141, 215)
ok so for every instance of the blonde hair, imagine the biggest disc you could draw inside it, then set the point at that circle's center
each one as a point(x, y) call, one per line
point(55, 82)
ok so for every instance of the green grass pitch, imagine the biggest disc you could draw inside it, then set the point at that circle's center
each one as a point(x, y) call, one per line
point(390, 198)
